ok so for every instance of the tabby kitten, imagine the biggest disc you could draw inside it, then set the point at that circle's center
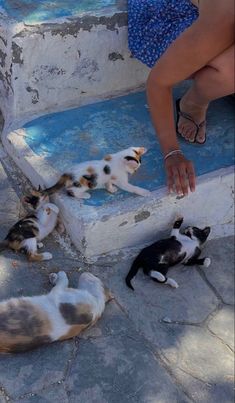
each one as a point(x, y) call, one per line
point(179, 248)
point(26, 235)
point(110, 173)
point(29, 322)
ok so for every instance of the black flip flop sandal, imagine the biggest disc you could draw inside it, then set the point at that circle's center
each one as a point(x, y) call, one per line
point(184, 115)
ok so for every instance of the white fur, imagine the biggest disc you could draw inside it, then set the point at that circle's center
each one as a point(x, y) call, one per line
point(47, 219)
point(46, 222)
point(207, 262)
point(90, 291)
point(160, 277)
point(172, 283)
point(188, 245)
point(120, 169)
point(157, 275)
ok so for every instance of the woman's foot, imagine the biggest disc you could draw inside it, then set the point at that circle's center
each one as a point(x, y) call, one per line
point(191, 123)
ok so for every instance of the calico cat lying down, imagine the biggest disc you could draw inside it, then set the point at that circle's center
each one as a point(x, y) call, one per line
point(26, 235)
point(179, 248)
point(29, 322)
point(110, 173)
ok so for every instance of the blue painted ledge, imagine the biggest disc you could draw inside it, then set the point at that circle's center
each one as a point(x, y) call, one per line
point(91, 131)
point(30, 11)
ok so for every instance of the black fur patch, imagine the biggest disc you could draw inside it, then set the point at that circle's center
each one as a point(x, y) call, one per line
point(129, 158)
point(32, 200)
point(150, 258)
point(23, 229)
point(77, 184)
point(107, 170)
point(70, 193)
point(178, 223)
point(72, 315)
point(92, 180)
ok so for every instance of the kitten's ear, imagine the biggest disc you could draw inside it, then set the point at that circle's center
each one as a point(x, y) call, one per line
point(206, 231)
point(140, 150)
point(35, 192)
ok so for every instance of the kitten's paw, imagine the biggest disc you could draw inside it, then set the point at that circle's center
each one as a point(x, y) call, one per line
point(172, 283)
point(40, 245)
point(53, 277)
point(178, 222)
point(84, 196)
point(112, 189)
point(46, 256)
point(207, 262)
point(144, 192)
point(62, 275)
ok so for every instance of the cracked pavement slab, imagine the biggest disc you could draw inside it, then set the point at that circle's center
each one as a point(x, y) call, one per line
point(152, 345)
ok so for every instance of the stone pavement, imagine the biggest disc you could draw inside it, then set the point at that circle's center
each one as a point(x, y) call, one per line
point(154, 345)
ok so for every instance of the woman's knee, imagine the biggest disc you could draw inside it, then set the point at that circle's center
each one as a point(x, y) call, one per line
point(224, 63)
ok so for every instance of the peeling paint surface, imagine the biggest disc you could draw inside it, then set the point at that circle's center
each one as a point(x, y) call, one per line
point(91, 131)
point(30, 11)
point(143, 215)
point(66, 61)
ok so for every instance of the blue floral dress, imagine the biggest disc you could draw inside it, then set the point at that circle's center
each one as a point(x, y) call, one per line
point(154, 24)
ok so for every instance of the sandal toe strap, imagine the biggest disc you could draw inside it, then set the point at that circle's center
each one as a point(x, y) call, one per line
point(189, 117)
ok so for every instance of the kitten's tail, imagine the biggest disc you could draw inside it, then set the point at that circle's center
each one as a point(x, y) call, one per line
point(4, 245)
point(65, 180)
point(132, 273)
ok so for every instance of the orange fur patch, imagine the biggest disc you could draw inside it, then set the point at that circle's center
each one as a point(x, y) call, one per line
point(36, 257)
point(84, 182)
point(108, 157)
point(15, 245)
point(90, 170)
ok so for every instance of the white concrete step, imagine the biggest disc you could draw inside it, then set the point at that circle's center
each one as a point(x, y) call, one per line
point(63, 54)
point(45, 147)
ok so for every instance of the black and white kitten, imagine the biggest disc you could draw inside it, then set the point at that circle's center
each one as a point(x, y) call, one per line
point(179, 248)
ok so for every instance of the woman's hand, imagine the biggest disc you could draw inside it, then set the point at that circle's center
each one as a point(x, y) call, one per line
point(180, 174)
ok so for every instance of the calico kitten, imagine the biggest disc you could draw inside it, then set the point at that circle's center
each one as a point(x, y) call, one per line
point(179, 248)
point(27, 233)
point(35, 200)
point(109, 173)
point(29, 322)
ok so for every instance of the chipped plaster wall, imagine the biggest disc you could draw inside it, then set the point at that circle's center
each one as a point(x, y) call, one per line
point(6, 90)
point(68, 63)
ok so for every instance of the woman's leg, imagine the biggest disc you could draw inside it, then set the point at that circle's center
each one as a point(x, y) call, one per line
point(211, 82)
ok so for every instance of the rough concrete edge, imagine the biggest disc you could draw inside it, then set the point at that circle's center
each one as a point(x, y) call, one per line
point(40, 172)
point(98, 17)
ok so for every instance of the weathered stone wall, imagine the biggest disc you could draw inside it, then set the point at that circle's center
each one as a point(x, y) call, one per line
point(69, 62)
point(6, 87)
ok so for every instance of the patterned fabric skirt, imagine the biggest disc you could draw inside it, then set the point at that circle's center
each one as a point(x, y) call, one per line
point(154, 24)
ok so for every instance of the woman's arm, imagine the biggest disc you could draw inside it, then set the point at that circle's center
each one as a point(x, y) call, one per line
point(209, 36)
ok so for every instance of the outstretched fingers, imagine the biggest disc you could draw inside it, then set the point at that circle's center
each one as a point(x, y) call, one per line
point(180, 175)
